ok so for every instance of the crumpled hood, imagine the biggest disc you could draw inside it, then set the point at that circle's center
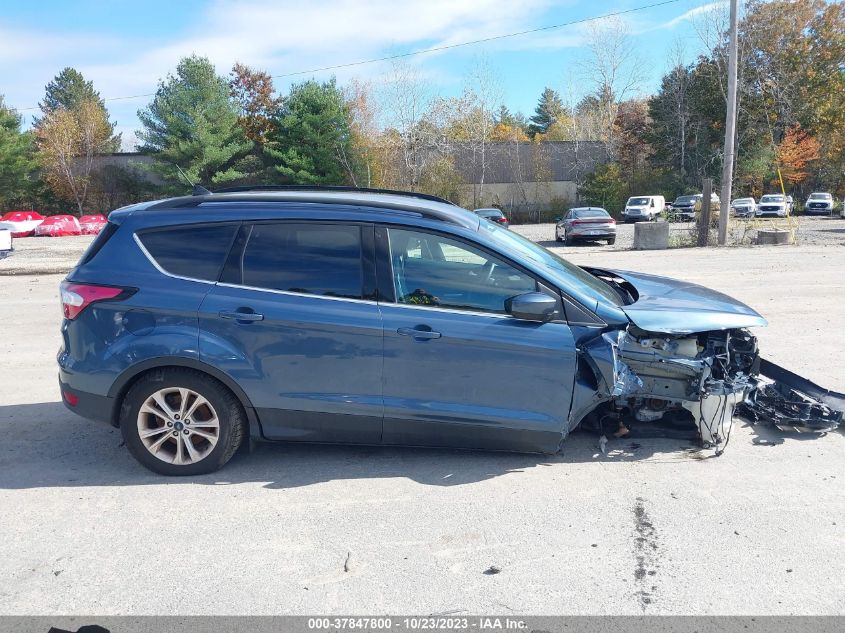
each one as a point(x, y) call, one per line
point(679, 307)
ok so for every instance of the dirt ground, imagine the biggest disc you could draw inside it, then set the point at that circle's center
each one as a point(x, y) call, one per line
point(655, 527)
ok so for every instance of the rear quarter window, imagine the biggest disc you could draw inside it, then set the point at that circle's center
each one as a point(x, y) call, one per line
point(197, 252)
point(96, 246)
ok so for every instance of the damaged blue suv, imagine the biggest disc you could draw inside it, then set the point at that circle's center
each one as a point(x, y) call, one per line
point(375, 317)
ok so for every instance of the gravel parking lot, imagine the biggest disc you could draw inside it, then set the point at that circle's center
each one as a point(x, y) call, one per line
point(655, 527)
point(812, 231)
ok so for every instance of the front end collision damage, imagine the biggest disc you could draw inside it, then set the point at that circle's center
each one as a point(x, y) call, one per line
point(632, 377)
point(643, 377)
point(680, 367)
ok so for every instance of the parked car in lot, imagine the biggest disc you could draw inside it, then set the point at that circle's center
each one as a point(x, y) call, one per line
point(820, 204)
point(744, 207)
point(687, 208)
point(21, 223)
point(643, 208)
point(366, 317)
point(5, 242)
point(58, 226)
point(586, 223)
point(92, 224)
point(493, 215)
point(774, 205)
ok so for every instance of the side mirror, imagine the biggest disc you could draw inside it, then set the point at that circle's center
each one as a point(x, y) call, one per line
point(557, 219)
point(532, 306)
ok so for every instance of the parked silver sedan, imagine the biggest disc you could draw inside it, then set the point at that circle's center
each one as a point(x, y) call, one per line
point(586, 223)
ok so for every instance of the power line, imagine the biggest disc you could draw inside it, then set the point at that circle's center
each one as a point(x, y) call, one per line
point(434, 49)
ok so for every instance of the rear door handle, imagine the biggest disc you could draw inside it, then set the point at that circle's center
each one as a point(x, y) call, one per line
point(419, 332)
point(242, 316)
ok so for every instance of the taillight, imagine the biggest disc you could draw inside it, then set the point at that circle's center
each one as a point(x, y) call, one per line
point(77, 297)
point(502, 220)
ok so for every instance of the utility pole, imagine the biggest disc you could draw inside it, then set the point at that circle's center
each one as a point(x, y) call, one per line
point(730, 131)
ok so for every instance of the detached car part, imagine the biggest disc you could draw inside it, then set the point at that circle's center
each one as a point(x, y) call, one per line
point(791, 402)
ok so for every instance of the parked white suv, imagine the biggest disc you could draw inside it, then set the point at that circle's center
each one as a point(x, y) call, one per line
point(774, 205)
point(821, 203)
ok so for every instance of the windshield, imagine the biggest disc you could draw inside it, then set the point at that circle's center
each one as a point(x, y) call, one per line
point(637, 202)
point(820, 196)
point(568, 273)
point(743, 201)
point(771, 198)
point(685, 199)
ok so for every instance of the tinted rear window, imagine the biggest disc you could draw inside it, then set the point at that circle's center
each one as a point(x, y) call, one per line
point(197, 252)
point(98, 243)
point(591, 213)
point(317, 259)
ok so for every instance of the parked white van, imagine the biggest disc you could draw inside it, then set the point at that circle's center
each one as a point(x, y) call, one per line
point(643, 208)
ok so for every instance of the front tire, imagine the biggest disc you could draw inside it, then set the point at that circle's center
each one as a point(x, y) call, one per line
point(181, 422)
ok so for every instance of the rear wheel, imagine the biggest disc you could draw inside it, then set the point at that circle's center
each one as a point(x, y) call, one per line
point(568, 241)
point(181, 422)
point(611, 241)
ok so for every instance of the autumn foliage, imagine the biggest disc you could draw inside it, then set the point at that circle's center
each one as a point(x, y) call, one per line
point(797, 154)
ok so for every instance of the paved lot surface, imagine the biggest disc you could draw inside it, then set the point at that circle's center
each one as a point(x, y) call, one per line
point(654, 527)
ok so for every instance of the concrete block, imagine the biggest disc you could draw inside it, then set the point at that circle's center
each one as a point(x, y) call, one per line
point(650, 236)
point(774, 237)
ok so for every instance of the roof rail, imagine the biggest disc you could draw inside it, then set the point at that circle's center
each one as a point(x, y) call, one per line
point(318, 188)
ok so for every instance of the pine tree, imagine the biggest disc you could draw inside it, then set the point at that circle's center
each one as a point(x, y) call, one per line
point(192, 123)
point(17, 163)
point(312, 142)
point(69, 90)
point(549, 109)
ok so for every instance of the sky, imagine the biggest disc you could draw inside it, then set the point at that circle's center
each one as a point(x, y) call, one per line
point(126, 47)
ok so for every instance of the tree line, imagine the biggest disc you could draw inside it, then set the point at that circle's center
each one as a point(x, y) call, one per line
point(398, 133)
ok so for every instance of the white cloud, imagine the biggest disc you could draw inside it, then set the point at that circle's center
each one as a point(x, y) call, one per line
point(692, 13)
point(282, 37)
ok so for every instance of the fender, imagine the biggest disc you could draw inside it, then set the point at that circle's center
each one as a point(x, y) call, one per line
point(124, 381)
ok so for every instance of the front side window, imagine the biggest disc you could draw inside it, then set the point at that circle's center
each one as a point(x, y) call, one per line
point(433, 270)
point(197, 252)
point(315, 259)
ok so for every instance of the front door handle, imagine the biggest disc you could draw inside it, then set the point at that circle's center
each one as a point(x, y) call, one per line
point(420, 333)
point(240, 315)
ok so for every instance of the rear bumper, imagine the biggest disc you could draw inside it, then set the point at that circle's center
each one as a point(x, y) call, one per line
point(88, 405)
point(595, 235)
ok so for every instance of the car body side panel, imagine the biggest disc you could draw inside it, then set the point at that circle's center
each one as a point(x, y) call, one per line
point(311, 367)
point(449, 391)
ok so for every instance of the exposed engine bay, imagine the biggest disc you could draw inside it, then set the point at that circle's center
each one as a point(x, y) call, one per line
point(694, 382)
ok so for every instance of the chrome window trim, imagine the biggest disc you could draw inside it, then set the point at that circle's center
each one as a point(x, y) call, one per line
point(294, 294)
point(493, 315)
point(158, 267)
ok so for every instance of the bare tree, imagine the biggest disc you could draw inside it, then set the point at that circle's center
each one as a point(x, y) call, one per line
point(483, 93)
point(405, 99)
point(615, 70)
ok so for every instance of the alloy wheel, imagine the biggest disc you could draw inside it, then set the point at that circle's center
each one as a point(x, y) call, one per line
point(178, 426)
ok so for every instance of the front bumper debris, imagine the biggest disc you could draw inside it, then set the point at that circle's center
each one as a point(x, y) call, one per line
point(792, 403)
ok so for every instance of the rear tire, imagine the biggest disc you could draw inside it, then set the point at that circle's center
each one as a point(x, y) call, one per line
point(568, 241)
point(163, 404)
point(611, 241)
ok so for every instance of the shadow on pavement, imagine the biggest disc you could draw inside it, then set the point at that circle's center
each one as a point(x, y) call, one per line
point(47, 446)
